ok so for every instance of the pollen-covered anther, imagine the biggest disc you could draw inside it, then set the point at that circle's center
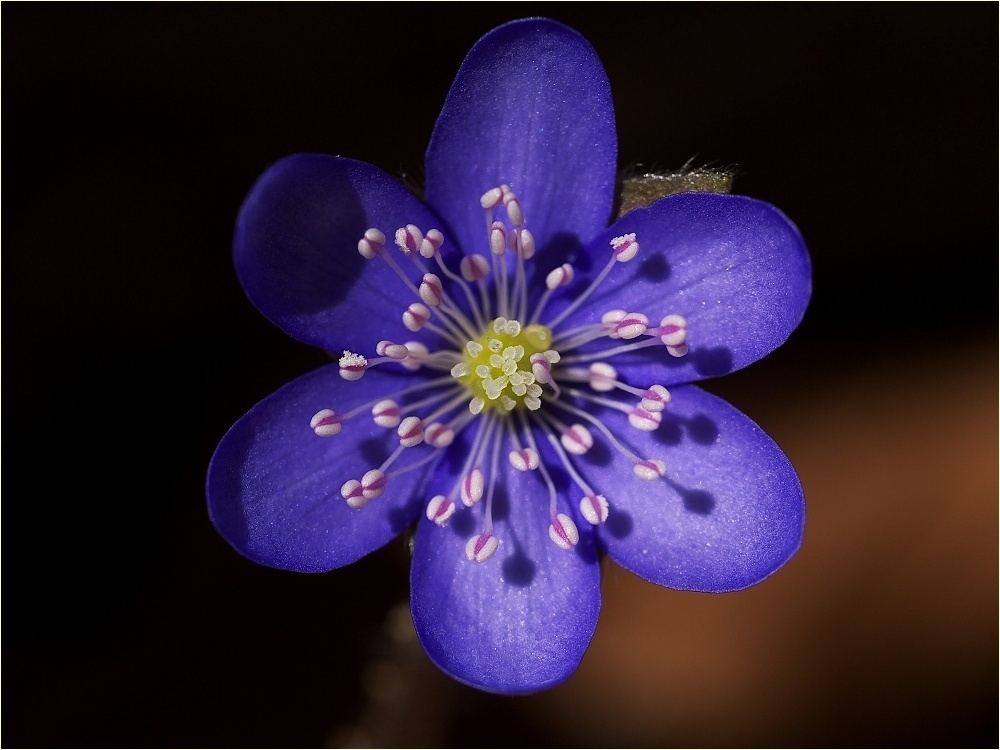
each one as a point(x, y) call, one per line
point(602, 377)
point(408, 238)
point(481, 548)
point(673, 334)
point(594, 508)
point(440, 509)
point(370, 244)
point(498, 238)
point(354, 494)
point(391, 350)
point(559, 276)
point(416, 316)
point(472, 486)
point(431, 243)
point(352, 366)
point(439, 435)
point(650, 469)
point(326, 423)
point(647, 421)
point(474, 267)
point(625, 247)
point(632, 325)
point(577, 439)
point(563, 531)
point(525, 459)
point(411, 432)
point(373, 484)
point(431, 290)
point(655, 398)
point(386, 413)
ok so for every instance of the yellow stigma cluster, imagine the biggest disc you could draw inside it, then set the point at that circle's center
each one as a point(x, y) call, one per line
point(497, 368)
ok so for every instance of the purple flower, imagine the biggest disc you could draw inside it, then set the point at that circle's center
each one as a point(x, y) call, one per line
point(512, 373)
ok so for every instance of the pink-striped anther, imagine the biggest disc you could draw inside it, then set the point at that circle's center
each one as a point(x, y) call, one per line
point(625, 247)
point(431, 290)
point(673, 334)
point(498, 238)
point(416, 316)
point(650, 469)
point(440, 509)
point(594, 508)
point(439, 435)
point(474, 267)
point(602, 376)
point(371, 243)
point(388, 349)
point(386, 413)
point(541, 367)
point(472, 487)
point(411, 432)
point(417, 353)
point(563, 531)
point(481, 548)
point(326, 423)
point(352, 366)
point(408, 238)
point(373, 484)
point(655, 398)
point(353, 493)
point(577, 439)
point(431, 243)
point(559, 276)
point(632, 325)
point(525, 459)
point(647, 421)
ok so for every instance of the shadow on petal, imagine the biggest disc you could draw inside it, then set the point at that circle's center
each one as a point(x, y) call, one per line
point(711, 362)
point(518, 569)
point(695, 501)
point(619, 523)
point(654, 268)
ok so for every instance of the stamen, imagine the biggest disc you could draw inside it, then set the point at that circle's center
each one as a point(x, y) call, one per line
point(409, 239)
point(326, 423)
point(626, 248)
point(386, 413)
point(431, 243)
point(352, 366)
point(411, 432)
point(650, 469)
point(563, 531)
point(392, 351)
point(473, 485)
point(431, 290)
point(577, 439)
point(370, 244)
point(416, 316)
point(439, 435)
point(594, 508)
point(440, 509)
point(481, 548)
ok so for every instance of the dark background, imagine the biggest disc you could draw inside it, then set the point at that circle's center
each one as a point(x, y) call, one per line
point(131, 135)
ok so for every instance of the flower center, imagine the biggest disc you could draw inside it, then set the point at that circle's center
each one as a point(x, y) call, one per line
point(497, 367)
point(521, 381)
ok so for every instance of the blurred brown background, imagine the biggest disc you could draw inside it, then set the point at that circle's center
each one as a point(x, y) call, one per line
point(131, 135)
